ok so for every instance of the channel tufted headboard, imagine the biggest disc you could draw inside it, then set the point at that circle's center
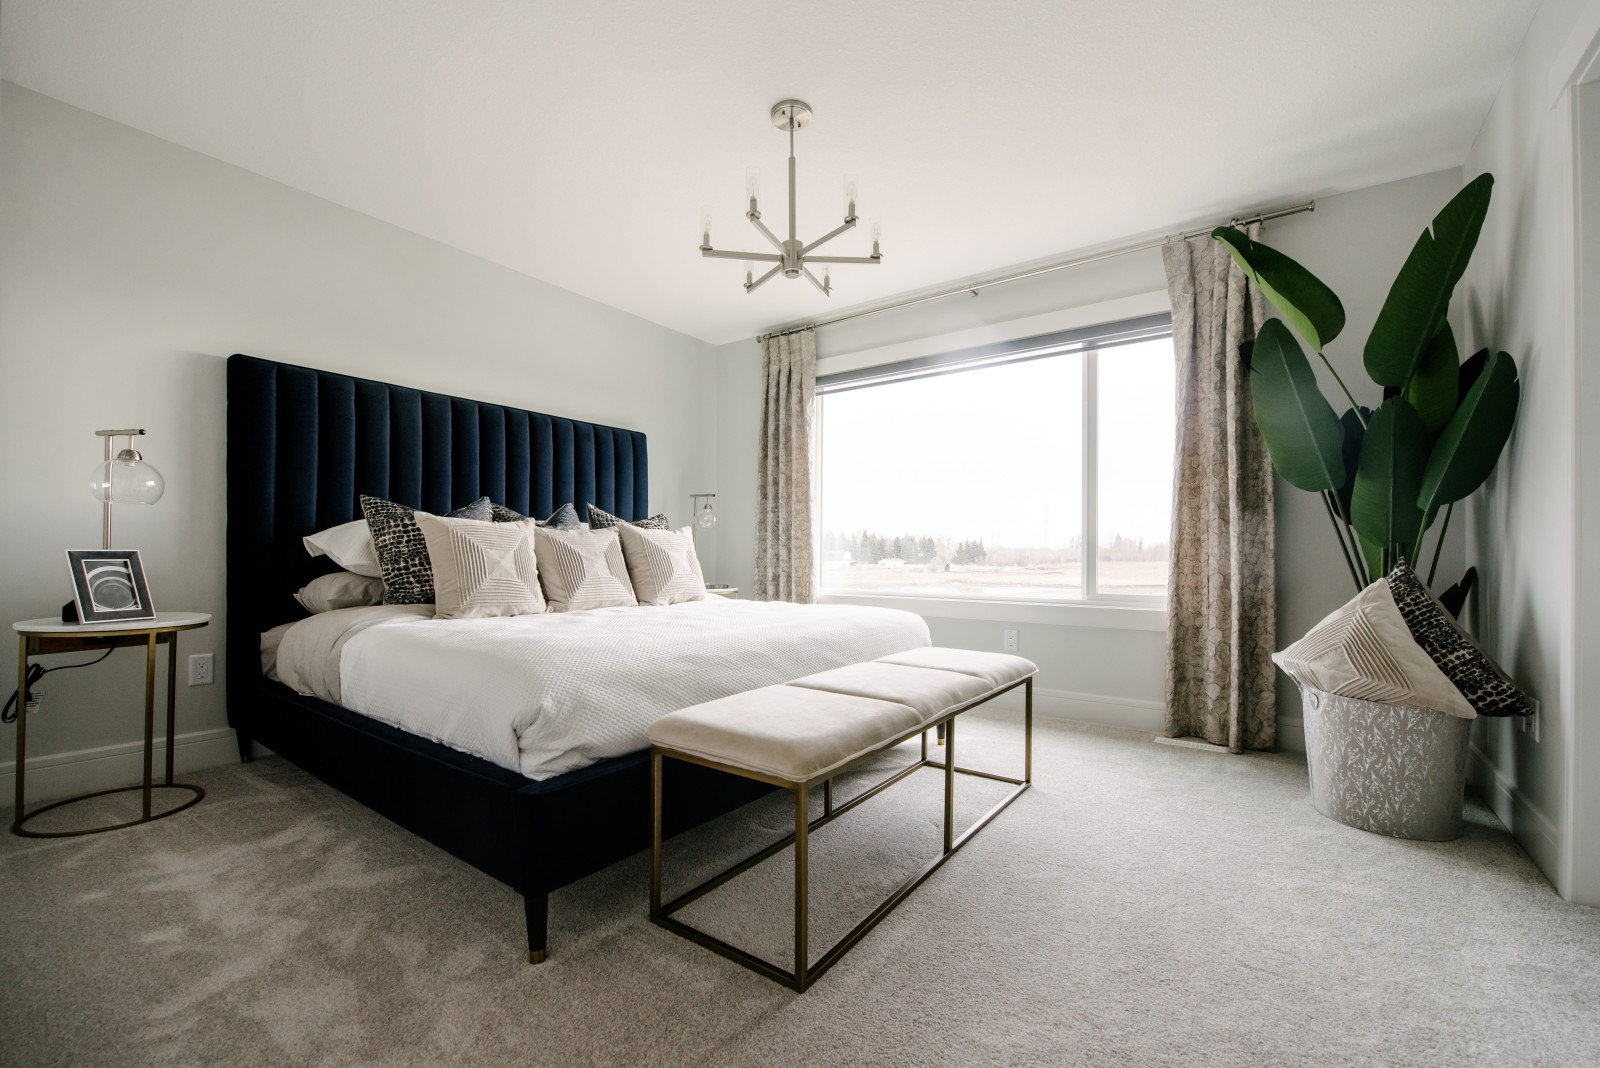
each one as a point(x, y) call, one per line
point(304, 444)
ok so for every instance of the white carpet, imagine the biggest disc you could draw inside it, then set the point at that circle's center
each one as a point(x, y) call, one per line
point(1142, 905)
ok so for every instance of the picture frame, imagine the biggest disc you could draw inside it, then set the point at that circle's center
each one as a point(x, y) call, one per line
point(108, 585)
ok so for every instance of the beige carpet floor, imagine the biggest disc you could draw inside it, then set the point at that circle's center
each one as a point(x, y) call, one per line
point(1142, 905)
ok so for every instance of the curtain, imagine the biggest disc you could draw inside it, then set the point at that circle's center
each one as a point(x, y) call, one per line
point(1221, 597)
point(783, 497)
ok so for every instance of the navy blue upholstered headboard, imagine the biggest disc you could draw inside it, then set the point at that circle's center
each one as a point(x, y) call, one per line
point(303, 445)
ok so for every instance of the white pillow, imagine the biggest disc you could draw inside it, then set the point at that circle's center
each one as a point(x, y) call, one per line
point(582, 569)
point(662, 564)
point(349, 545)
point(481, 569)
point(342, 589)
point(1366, 651)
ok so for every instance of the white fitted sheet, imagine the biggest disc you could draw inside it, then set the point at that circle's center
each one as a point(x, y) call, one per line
point(547, 694)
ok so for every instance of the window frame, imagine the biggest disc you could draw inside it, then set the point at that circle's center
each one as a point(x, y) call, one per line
point(1118, 323)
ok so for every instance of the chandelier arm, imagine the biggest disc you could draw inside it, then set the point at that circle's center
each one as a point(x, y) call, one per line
point(830, 235)
point(723, 254)
point(844, 259)
point(768, 234)
point(824, 290)
point(753, 286)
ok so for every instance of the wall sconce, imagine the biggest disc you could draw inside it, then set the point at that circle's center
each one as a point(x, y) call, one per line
point(705, 514)
point(125, 478)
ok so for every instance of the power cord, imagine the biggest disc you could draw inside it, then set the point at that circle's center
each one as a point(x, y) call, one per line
point(35, 673)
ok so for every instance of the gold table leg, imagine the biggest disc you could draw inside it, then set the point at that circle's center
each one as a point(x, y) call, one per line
point(172, 702)
point(149, 717)
point(22, 726)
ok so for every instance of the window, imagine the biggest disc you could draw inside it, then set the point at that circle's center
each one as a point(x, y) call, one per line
point(1035, 470)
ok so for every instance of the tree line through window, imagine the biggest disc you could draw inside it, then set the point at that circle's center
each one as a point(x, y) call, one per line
point(1041, 477)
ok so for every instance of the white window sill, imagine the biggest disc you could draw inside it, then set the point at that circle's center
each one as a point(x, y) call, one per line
point(1060, 614)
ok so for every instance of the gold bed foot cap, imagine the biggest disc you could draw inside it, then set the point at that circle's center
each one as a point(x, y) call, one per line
point(537, 956)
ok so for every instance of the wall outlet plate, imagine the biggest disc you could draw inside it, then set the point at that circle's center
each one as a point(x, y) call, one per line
point(201, 669)
point(1530, 724)
point(1009, 641)
point(35, 701)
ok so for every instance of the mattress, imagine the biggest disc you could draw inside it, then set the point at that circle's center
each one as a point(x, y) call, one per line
point(547, 694)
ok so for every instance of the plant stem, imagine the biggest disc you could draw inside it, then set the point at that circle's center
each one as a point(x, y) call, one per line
point(1346, 389)
point(1327, 502)
point(1439, 545)
point(1365, 579)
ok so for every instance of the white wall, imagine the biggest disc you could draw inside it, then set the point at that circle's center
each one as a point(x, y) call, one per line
point(1520, 299)
point(1355, 242)
point(130, 268)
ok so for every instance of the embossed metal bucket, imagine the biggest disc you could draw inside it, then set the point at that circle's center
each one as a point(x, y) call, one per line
point(1389, 769)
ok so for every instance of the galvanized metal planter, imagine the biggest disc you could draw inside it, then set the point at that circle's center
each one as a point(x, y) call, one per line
point(1384, 768)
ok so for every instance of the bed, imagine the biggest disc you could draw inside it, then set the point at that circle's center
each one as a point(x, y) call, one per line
point(303, 445)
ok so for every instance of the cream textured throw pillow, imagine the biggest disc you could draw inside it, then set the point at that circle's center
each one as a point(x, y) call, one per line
point(1366, 651)
point(582, 569)
point(481, 569)
point(662, 564)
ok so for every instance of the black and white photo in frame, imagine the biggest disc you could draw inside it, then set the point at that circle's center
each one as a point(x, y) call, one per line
point(108, 585)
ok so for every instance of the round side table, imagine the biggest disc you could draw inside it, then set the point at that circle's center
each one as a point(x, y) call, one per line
point(40, 637)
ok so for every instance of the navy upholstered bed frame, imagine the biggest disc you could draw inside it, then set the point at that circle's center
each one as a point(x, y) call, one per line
point(303, 445)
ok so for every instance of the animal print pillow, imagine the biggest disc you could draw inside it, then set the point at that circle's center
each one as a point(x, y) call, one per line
point(1486, 688)
point(600, 519)
point(403, 551)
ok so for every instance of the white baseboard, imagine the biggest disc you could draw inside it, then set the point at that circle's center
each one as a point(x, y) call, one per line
point(1074, 707)
point(1527, 822)
point(55, 775)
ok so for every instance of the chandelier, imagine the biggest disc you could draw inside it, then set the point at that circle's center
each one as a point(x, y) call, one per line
point(791, 257)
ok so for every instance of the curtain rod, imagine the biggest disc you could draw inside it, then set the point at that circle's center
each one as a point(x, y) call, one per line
point(1125, 250)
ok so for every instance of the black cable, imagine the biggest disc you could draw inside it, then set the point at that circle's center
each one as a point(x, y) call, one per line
point(35, 673)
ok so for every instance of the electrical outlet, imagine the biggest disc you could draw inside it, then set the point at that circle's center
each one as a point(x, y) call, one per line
point(35, 701)
point(1010, 641)
point(200, 670)
point(1530, 724)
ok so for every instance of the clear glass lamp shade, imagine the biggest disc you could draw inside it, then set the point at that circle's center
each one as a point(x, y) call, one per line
point(707, 518)
point(126, 481)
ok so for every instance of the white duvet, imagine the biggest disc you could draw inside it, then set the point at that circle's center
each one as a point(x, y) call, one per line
point(545, 694)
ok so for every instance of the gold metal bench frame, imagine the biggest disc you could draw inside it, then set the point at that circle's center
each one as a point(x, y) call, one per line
point(806, 973)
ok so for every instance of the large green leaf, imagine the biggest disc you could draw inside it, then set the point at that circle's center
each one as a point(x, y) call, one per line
point(1471, 368)
point(1471, 441)
point(1433, 389)
point(1297, 422)
point(1355, 431)
point(1310, 306)
point(1421, 291)
point(1383, 505)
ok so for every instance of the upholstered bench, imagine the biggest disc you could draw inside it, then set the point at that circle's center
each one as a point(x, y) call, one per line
point(803, 733)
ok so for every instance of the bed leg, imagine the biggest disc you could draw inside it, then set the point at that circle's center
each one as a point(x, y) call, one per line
point(536, 907)
point(245, 755)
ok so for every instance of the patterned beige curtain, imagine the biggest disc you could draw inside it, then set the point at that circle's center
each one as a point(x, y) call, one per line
point(783, 498)
point(1220, 594)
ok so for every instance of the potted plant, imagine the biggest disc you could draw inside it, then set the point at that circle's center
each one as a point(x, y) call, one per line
point(1387, 474)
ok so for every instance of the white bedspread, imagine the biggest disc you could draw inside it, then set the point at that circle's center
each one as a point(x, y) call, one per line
point(545, 694)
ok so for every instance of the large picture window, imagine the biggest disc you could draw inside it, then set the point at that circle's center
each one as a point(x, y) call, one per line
point(1037, 470)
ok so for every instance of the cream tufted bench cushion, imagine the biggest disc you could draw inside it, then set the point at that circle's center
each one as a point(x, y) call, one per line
point(804, 730)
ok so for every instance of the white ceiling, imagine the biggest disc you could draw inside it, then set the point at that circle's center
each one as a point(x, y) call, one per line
point(578, 142)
